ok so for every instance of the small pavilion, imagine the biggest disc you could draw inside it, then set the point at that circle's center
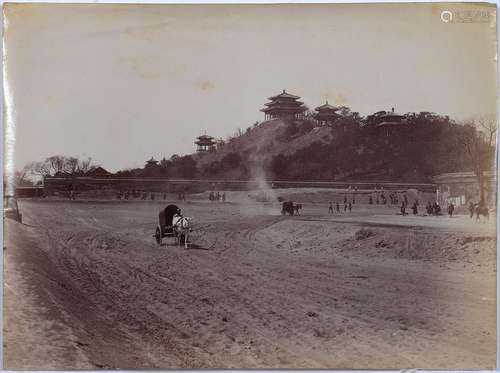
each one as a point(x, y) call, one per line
point(205, 143)
point(326, 114)
point(390, 119)
point(390, 123)
point(285, 106)
point(151, 162)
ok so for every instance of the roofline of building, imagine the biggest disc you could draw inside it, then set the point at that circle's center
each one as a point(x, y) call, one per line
point(284, 94)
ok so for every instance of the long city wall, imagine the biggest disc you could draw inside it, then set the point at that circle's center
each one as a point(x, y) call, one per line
point(57, 184)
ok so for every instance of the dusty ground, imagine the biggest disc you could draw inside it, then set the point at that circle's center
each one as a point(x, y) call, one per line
point(87, 287)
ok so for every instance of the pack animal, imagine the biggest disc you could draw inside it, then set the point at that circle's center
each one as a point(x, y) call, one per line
point(183, 227)
point(297, 208)
point(482, 211)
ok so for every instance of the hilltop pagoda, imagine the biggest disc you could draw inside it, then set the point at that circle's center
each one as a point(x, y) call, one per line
point(325, 114)
point(390, 123)
point(285, 106)
point(390, 119)
point(205, 143)
point(151, 162)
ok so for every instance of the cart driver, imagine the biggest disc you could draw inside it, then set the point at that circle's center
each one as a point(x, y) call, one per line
point(177, 217)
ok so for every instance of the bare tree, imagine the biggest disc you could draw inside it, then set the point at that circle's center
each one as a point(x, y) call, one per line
point(21, 178)
point(56, 163)
point(84, 165)
point(479, 141)
point(41, 169)
point(72, 165)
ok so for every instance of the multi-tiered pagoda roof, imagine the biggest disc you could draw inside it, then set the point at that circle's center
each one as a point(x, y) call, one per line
point(284, 105)
point(326, 114)
point(205, 143)
point(390, 119)
point(151, 162)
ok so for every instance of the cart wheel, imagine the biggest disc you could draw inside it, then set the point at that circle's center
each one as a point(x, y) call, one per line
point(158, 235)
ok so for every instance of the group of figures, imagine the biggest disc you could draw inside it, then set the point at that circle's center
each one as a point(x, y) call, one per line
point(347, 206)
point(394, 198)
point(435, 210)
point(404, 205)
point(145, 195)
point(135, 194)
point(217, 196)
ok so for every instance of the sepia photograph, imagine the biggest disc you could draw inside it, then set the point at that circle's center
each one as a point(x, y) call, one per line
point(265, 186)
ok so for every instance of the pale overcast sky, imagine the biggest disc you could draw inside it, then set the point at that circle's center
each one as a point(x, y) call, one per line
point(122, 83)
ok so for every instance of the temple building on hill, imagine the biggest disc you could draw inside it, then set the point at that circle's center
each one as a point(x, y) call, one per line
point(389, 123)
point(285, 106)
point(151, 162)
point(205, 143)
point(390, 119)
point(325, 114)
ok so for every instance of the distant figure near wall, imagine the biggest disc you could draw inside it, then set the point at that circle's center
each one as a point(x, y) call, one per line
point(403, 208)
point(415, 208)
point(451, 208)
point(471, 209)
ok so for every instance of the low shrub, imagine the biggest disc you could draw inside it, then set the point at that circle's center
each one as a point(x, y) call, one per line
point(363, 233)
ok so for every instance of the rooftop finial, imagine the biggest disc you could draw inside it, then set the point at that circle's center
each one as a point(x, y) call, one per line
point(284, 91)
point(393, 110)
point(327, 102)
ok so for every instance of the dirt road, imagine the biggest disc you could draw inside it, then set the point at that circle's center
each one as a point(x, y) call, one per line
point(259, 290)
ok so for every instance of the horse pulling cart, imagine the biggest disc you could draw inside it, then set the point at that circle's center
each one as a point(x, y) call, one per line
point(167, 227)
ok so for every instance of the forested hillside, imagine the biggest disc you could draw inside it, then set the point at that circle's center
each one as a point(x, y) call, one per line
point(423, 145)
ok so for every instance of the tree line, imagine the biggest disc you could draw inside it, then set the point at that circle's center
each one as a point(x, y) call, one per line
point(34, 171)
